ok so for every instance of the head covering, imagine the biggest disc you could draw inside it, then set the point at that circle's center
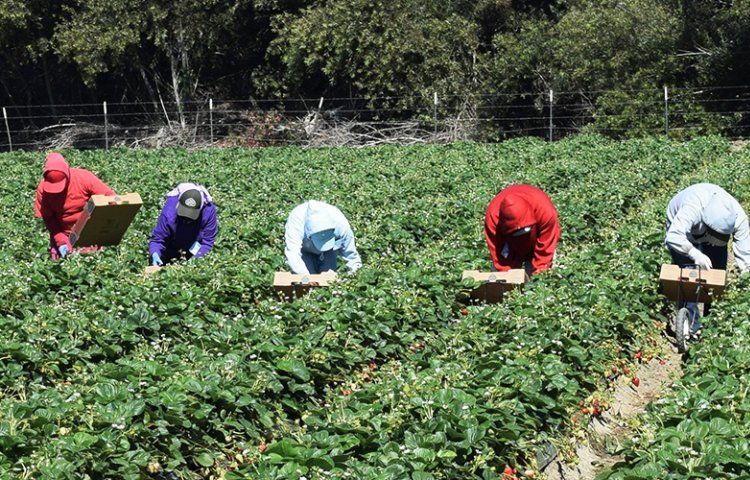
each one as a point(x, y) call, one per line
point(190, 204)
point(184, 187)
point(56, 173)
point(515, 213)
point(719, 214)
point(324, 240)
point(320, 225)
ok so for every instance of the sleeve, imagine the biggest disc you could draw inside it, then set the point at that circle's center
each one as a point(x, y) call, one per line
point(349, 252)
point(57, 234)
point(688, 216)
point(161, 233)
point(546, 244)
point(495, 241)
point(209, 229)
point(293, 236)
point(94, 186)
point(741, 244)
point(38, 203)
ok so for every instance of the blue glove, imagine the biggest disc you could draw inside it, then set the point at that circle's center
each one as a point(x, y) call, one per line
point(63, 249)
point(156, 259)
point(195, 248)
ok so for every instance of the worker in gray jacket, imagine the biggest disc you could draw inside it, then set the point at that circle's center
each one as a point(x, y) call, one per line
point(700, 221)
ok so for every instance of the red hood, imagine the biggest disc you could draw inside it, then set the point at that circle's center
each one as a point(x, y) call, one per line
point(56, 162)
point(515, 213)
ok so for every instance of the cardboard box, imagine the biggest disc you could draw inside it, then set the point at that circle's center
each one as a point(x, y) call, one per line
point(105, 220)
point(293, 286)
point(684, 283)
point(495, 284)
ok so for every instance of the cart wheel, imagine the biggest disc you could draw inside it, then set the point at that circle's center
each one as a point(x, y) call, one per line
point(682, 329)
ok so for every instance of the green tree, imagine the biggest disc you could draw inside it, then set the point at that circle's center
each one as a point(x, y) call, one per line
point(401, 48)
point(166, 42)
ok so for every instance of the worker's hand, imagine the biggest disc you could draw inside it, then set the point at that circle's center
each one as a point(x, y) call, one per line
point(63, 250)
point(156, 259)
point(700, 259)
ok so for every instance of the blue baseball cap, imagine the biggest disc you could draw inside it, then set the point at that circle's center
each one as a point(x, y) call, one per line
point(324, 240)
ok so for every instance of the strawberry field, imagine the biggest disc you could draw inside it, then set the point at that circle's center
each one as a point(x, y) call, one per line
point(201, 372)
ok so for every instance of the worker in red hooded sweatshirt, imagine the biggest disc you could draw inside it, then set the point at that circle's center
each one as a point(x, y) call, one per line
point(60, 199)
point(522, 229)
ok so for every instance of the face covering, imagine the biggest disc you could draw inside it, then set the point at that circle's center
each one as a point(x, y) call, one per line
point(715, 238)
point(521, 231)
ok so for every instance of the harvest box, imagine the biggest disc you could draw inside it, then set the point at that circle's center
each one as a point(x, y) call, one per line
point(683, 283)
point(105, 220)
point(293, 285)
point(494, 284)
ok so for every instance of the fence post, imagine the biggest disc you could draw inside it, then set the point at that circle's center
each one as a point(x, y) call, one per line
point(7, 129)
point(551, 101)
point(106, 127)
point(666, 110)
point(211, 117)
point(434, 113)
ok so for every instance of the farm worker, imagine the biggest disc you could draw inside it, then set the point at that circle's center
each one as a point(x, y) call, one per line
point(187, 225)
point(700, 221)
point(521, 229)
point(316, 233)
point(60, 199)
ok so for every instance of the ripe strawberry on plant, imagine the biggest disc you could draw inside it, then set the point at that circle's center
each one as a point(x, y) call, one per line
point(464, 311)
point(636, 381)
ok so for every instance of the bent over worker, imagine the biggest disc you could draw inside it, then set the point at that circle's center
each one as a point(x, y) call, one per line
point(522, 229)
point(186, 227)
point(316, 234)
point(700, 221)
point(60, 199)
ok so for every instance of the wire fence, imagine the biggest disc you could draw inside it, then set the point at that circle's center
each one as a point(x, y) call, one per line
point(357, 121)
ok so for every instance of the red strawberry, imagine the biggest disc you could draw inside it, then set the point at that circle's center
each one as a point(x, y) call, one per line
point(508, 471)
point(347, 392)
point(464, 311)
point(262, 447)
point(585, 410)
point(662, 362)
point(614, 370)
point(639, 355)
point(636, 381)
point(372, 366)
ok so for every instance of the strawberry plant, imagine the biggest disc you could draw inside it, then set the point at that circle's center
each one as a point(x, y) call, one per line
point(201, 371)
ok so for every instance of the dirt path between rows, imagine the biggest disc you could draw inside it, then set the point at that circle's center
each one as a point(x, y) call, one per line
point(604, 434)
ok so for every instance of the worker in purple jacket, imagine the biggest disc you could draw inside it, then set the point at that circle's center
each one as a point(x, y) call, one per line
point(187, 225)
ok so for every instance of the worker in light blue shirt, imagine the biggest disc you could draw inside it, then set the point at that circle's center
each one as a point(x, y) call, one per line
point(316, 233)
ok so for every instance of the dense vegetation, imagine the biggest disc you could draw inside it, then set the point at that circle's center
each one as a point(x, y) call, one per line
point(200, 371)
point(611, 57)
point(701, 429)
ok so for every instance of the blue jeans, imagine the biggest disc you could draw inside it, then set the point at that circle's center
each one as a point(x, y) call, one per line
point(718, 256)
point(319, 263)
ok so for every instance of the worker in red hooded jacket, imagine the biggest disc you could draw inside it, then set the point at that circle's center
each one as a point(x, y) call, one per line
point(60, 199)
point(521, 227)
